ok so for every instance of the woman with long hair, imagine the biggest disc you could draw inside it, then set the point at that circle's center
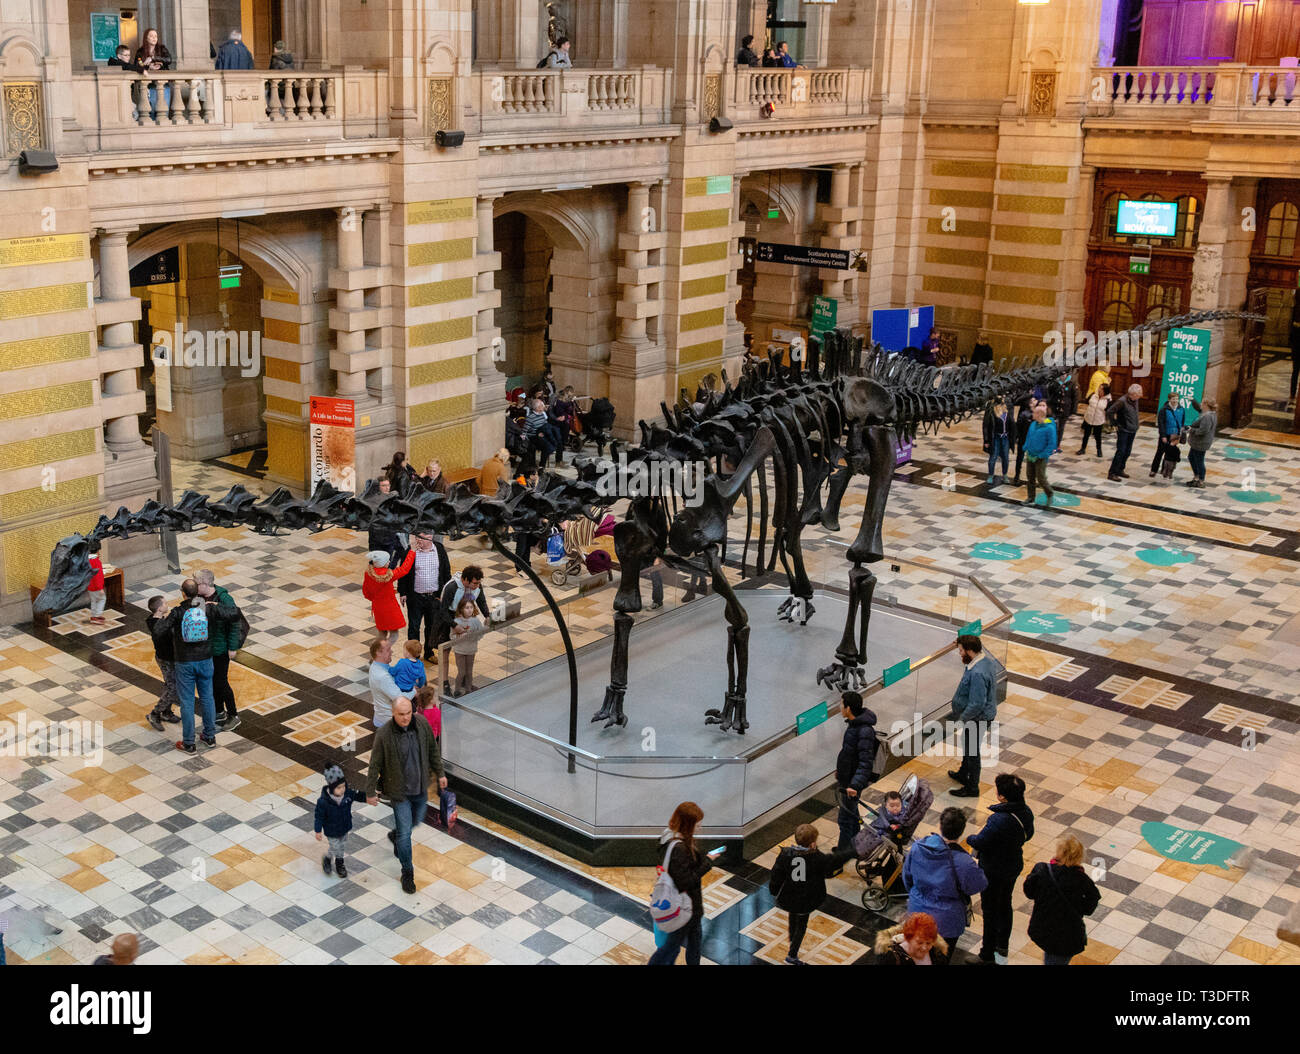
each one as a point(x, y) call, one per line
point(687, 864)
point(152, 56)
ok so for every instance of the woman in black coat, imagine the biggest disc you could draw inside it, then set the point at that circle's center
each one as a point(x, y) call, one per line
point(1024, 418)
point(1001, 858)
point(798, 881)
point(1062, 894)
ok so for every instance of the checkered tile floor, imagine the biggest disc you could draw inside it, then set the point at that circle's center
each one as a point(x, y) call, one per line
point(1142, 711)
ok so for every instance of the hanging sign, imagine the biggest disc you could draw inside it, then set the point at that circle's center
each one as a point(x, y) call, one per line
point(1187, 355)
point(333, 442)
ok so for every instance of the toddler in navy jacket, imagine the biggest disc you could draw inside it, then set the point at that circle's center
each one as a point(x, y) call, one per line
point(334, 818)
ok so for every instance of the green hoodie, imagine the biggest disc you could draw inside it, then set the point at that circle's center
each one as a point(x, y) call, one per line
point(223, 632)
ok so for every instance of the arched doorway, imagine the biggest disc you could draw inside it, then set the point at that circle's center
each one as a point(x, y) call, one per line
point(242, 348)
point(1264, 398)
point(559, 286)
point(775, 207)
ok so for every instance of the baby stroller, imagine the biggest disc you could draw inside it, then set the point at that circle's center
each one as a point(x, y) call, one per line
point(570, 552)
point(880, 855)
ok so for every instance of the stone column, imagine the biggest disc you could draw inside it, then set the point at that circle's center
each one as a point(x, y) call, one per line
point(349, 357)
point(837, 216)
point(490, 374)
point(1219, 276)
point(1074, 278)
point(130, 472)
point(120, 356)
point(636, 363)
point(734, 341)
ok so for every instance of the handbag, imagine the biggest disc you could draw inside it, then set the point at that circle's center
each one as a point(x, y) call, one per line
point(965, 897)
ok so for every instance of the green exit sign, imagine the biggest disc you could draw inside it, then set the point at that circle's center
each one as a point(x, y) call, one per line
point(773, 214)
point(1139, 265)
point(230, 281)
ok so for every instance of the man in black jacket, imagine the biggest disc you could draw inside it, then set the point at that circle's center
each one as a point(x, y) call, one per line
point(422, 588)
point(746, 56)
point(798, 881)
point(853, 766)
point(1123, 413)
point(192, 625)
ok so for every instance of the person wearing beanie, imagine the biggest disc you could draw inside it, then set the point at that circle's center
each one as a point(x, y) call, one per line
point(334, 818)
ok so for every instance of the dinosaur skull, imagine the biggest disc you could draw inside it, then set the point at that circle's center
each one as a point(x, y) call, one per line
point(70, 573)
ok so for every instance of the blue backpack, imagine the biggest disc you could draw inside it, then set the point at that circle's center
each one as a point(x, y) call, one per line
point(194, 625)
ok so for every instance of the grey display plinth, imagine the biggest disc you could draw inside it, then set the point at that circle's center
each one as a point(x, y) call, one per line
point(509, 738)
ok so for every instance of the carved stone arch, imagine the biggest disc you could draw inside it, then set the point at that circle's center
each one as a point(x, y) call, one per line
point(275, 263)
point(1045, 56)
point(714, 59)
point(564, 223)
point(21, 56)
point(440, 59)
point(783, 194)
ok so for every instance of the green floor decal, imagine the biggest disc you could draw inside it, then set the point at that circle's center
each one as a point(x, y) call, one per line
point(1242, 453)
point(1039, 622)
point(1254, 497)
point(1191, 847)
point(1165, 557)
point(997, 551)
point(1060, 500)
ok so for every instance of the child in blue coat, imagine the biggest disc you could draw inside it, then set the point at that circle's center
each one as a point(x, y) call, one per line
point(334, 817)
point(408, 674)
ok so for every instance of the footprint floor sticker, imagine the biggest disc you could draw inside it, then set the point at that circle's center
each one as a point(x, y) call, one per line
point(1254, 497)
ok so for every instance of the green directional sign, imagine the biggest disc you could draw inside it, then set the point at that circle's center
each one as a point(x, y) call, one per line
point(1187, 355)
point(812, 717)
point(971, 629)
point(825, 310)
point(897, 672)
point(1191, 847)
point(1139, 265)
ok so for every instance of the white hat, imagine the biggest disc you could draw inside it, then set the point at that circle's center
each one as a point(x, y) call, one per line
point(377, 559)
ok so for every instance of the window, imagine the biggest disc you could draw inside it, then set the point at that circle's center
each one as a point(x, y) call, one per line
point(1279, 239)
point(1118, 300)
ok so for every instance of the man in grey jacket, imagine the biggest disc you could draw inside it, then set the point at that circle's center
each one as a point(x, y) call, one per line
point(975, 705)
point(1200, 437)
point(1124, 414)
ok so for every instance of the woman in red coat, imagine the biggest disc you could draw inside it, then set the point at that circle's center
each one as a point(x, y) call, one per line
point(378, 589)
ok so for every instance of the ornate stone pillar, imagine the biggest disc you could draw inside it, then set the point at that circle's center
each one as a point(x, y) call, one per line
point(349, 318)
point(489, 371)
point(836, 216)
point(636, 362)
point(116, 310)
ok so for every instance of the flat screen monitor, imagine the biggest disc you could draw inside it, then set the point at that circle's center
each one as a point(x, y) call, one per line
point(1153, 219)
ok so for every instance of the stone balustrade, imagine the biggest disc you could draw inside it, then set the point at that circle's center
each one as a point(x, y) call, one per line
point(512, 101)
point(131, 111)
point(793, 94)
point(1230, 93)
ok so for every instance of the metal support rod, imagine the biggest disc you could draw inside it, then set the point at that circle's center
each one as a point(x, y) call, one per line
point(162, 455)
point(527, 569)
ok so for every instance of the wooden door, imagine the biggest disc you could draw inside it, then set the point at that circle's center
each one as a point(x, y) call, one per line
point(1277, 33)
point(1243, 399)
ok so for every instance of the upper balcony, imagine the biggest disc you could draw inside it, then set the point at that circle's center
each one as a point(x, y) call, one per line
point(1231, 97)
point(782, 95)
point(519, 105)
point(140, 114)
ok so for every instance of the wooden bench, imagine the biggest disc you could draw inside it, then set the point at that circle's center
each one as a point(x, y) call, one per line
point(114, 595)
point(464, 475)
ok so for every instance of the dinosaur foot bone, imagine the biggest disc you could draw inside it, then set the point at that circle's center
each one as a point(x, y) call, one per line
point(732, 715)
point(795, 609)
point(843, 677)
